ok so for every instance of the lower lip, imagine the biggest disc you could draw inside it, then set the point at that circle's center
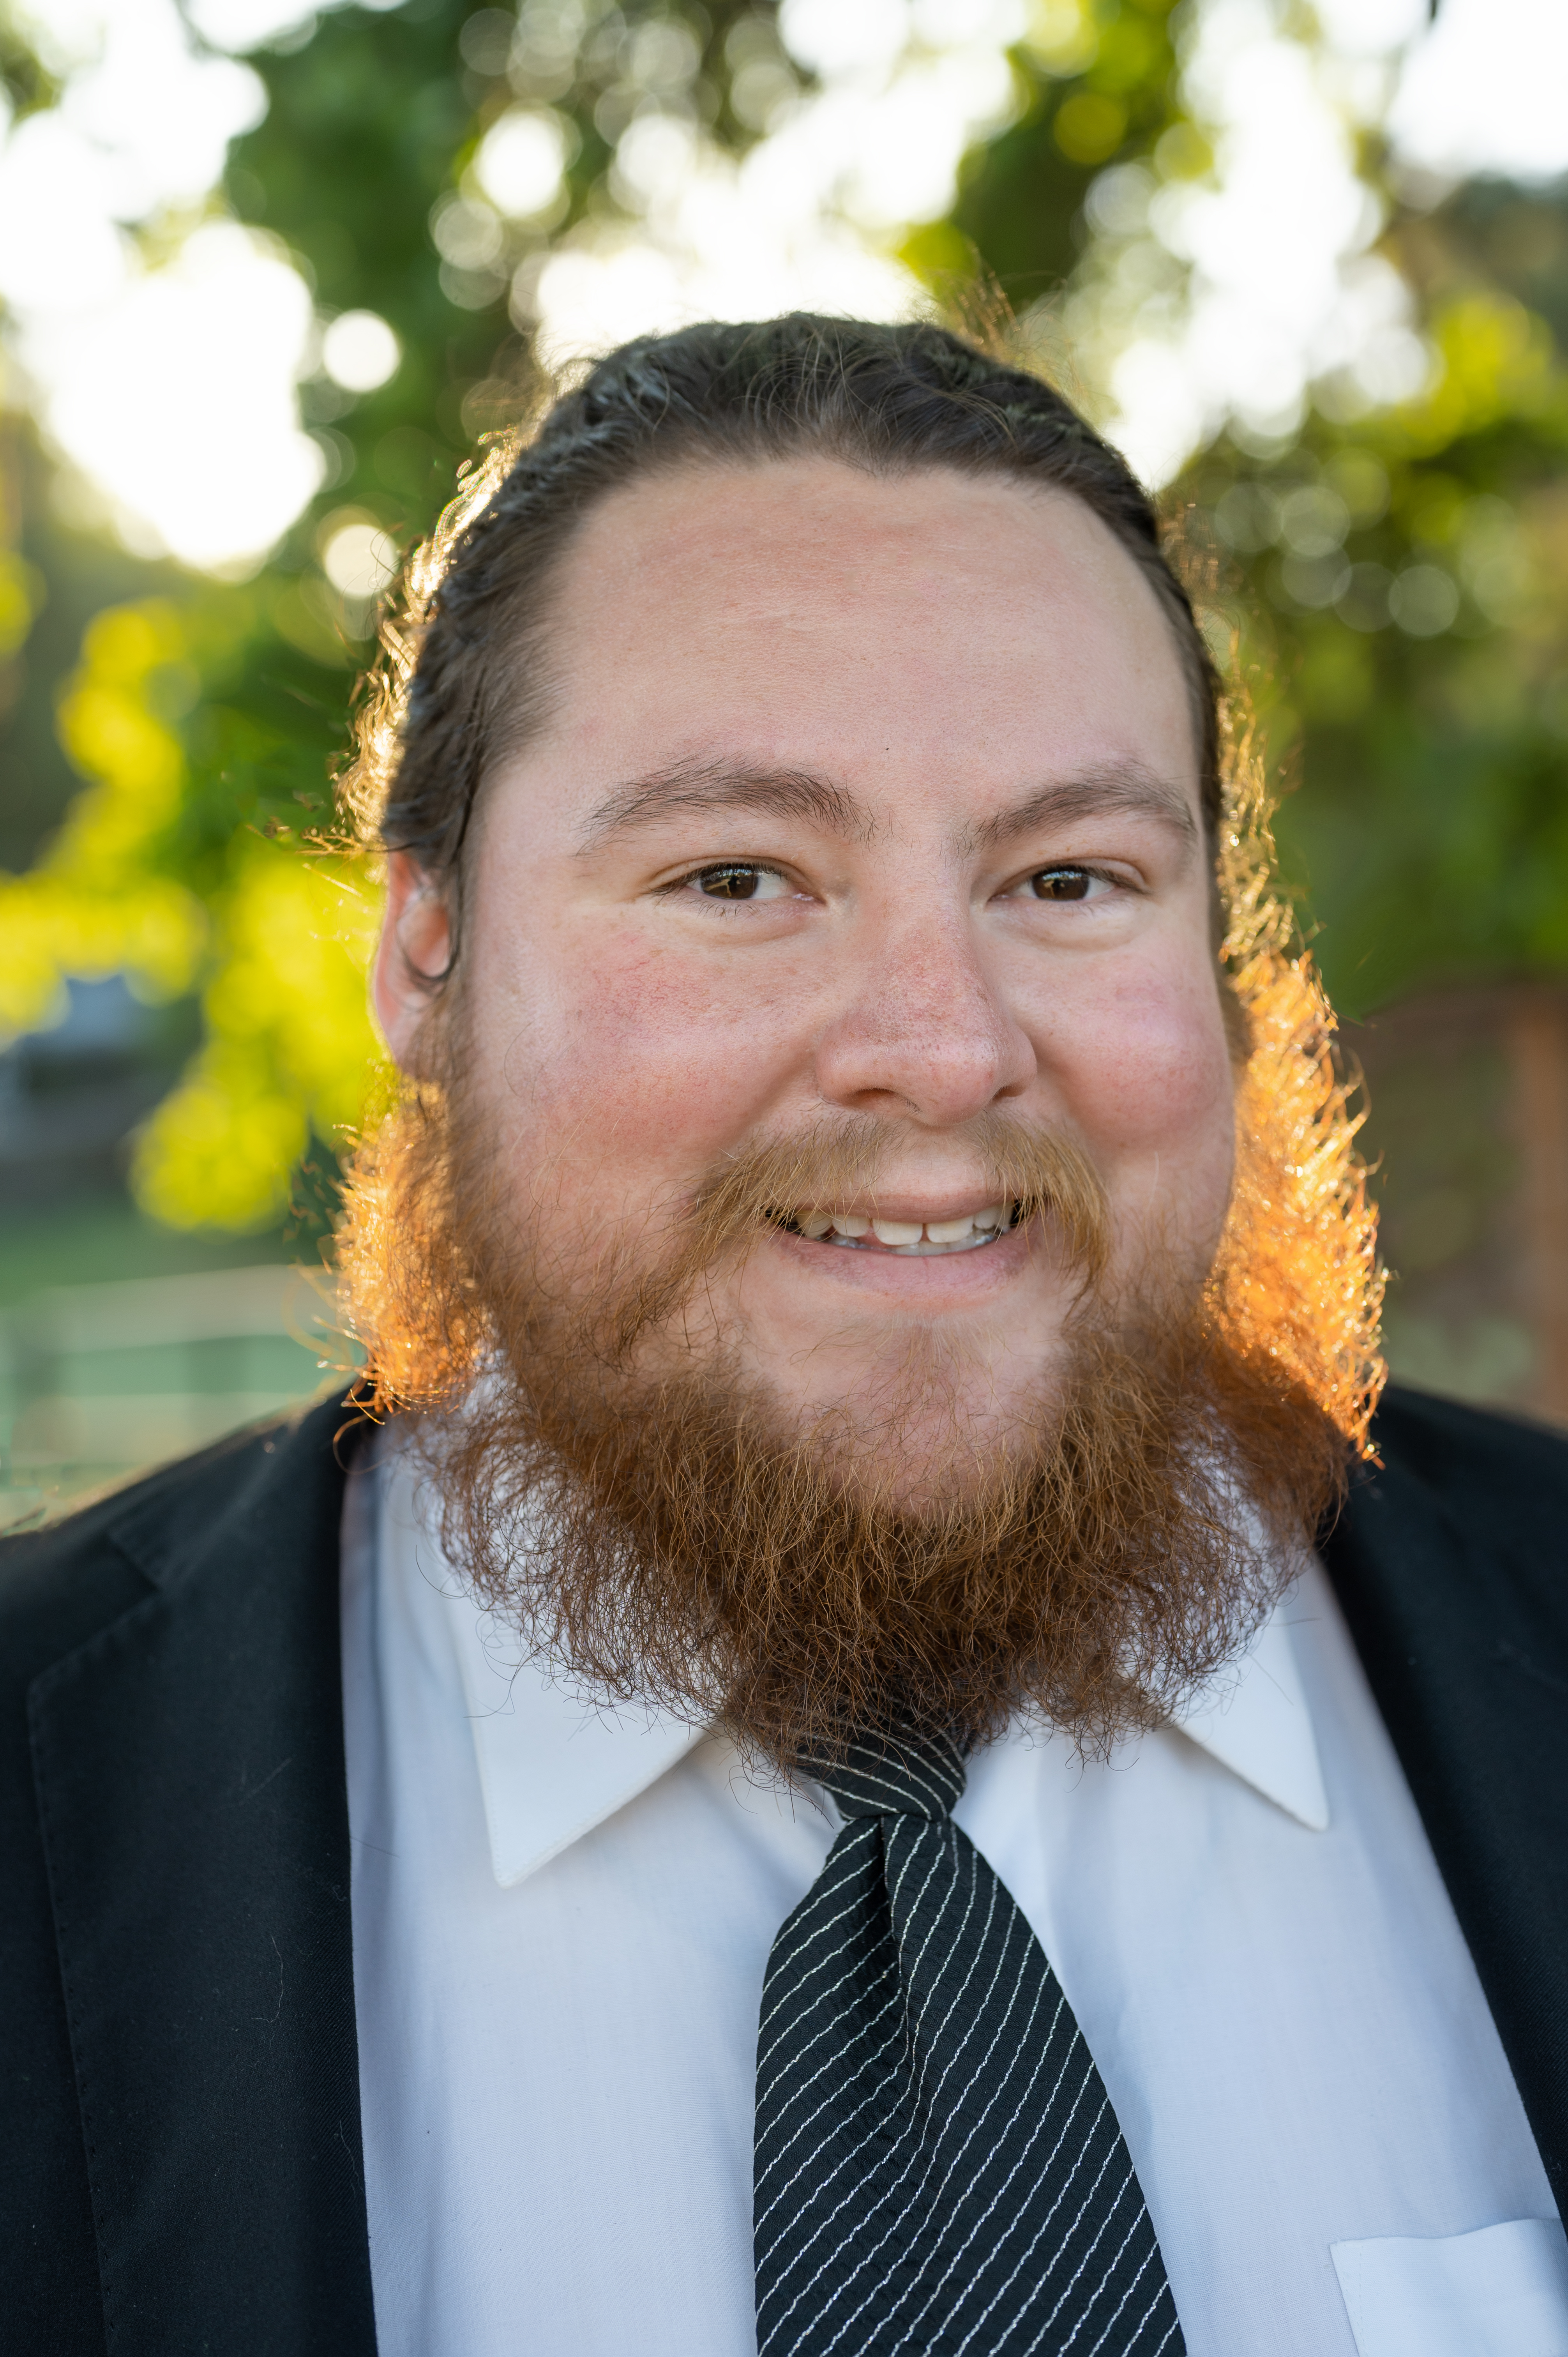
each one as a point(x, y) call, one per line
point(885, 1269)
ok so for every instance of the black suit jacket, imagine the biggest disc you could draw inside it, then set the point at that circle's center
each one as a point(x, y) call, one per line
point(180, 2163)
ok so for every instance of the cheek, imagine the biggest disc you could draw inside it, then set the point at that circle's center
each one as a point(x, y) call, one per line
point(660, 1060)
point(1147, 1067)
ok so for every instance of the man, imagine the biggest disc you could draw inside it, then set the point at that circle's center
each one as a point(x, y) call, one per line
point(801, 1783)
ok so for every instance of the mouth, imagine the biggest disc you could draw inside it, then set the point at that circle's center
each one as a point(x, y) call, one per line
point(913, 1238)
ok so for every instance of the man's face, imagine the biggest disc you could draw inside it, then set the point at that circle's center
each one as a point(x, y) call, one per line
point(856, 798)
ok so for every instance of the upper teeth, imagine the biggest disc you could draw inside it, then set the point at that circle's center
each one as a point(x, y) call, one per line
point(969, 1227)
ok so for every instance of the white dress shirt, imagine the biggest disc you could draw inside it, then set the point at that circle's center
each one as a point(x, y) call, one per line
point(561, 1920)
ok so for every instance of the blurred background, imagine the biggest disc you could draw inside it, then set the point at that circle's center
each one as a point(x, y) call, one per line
point(266, 272)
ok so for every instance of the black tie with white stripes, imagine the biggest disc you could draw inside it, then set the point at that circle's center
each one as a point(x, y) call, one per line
point(937, 2166)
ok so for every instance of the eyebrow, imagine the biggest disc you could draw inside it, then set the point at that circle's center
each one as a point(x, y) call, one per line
point(799, 795)
point(1119, 788)
point(1115, 789)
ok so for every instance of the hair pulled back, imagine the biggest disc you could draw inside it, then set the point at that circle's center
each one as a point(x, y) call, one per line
point(465, 677)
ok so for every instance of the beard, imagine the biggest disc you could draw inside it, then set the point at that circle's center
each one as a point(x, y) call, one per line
point(650, 1518)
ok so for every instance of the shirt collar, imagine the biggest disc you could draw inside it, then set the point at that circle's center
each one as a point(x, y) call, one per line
point(1253, 1717)
point(552, 1766)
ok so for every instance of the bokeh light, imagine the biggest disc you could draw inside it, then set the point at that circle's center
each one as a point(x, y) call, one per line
point(521, 159)
point(198, 447)
point(360, 351)
point(1238, 292)
point(359, 559)
point(1488, 91)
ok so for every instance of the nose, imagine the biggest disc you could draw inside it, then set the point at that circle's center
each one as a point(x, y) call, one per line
point(926, 1034)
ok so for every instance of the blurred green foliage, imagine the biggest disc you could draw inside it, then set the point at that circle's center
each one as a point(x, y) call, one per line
point(1098, 86)
point(1392, 579)
point(1401, 585)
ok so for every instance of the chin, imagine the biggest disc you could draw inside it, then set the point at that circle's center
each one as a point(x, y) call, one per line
point(918, 1439)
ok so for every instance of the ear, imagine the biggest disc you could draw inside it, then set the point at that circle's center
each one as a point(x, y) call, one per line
point(412, 955)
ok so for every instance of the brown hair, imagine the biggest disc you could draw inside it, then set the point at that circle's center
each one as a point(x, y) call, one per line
point(463, 679)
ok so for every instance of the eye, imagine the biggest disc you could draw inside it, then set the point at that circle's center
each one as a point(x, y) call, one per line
point(1068, 884)
point(739, 879)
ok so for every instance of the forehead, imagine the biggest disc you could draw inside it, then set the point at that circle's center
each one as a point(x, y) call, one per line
point(894, 630)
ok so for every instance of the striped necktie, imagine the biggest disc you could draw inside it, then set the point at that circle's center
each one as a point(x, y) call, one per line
point(937, 2169)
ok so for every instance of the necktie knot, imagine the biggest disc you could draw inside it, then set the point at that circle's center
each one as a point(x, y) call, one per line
point(892, 1776)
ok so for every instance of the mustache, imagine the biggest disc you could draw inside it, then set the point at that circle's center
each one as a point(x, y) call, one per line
point(1044, 1174)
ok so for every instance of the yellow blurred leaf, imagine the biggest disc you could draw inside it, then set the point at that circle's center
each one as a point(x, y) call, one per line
point(21, 595)
point(290, 1048)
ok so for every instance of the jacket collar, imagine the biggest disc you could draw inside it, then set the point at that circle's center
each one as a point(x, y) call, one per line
point(189, 1767)
point(1448, 1565)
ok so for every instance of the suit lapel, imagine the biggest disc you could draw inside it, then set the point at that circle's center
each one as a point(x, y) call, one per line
point(189, 1765)
point(1469, 1672)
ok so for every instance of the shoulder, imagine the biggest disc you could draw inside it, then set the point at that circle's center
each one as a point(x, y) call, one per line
point(1458, 1530)
point(156, 1645)
point(1498, 1473)
point(60, 1583)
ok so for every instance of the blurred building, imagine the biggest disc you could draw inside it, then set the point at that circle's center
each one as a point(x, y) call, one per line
point(71, 1095)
